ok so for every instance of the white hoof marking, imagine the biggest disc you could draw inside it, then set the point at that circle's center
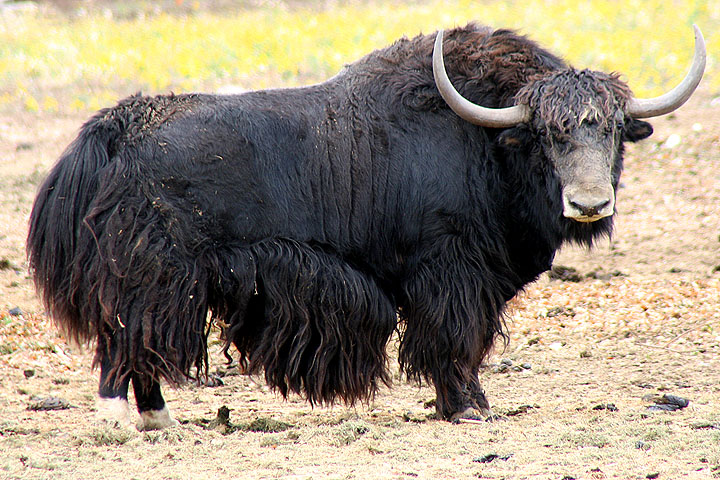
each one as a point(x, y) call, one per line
point(114, 410)
point(156, 420)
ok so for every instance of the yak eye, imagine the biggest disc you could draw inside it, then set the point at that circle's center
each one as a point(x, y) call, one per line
point(563, 144)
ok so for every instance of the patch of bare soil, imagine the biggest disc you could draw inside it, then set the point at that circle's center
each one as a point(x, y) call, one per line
point(594, 354)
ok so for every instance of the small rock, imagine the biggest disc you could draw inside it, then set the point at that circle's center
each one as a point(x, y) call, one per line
point(520, 410)
point(221, 422)
point(652, 475)
point(640, 445)
point(610, 407)
point(526, 366)
point(703, 424)
point(672, 141)
point(6, 264)
point(48, 403)
point(641, 384)
point(30, 372)
point(15, 312)
point(412, 418)
point(555, 311)
point(492, 456)
point(506, 361)
point(567, 274)
point(666, 402)
point(211, 380)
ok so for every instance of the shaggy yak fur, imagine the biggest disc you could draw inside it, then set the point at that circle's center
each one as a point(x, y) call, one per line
point(314, 222)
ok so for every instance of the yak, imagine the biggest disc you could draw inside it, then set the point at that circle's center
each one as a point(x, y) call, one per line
point(311, 224)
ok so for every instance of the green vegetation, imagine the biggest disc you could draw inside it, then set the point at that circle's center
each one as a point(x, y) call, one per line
point(56, 62)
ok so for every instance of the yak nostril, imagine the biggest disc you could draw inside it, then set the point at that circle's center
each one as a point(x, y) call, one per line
point(589, 211)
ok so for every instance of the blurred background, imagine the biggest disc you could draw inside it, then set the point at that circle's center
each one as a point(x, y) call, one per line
point(79, 55)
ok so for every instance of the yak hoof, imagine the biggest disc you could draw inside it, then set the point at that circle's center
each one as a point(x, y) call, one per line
point(114, 411)
point(156, 420)
point(475, 415)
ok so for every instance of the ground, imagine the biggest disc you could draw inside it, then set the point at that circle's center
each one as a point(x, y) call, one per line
point(637, 319)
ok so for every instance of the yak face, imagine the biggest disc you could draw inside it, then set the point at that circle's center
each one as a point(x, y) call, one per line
point(578, 122)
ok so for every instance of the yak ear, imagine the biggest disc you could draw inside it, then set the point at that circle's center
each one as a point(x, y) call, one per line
point(514, 138)
point(637, 130)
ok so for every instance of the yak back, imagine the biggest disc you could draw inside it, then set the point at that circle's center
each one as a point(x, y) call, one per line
point(371, 163)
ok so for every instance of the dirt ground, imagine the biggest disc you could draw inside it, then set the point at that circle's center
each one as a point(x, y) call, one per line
point(640, 317)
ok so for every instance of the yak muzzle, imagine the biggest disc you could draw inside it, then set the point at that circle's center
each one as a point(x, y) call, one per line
point(588, 203)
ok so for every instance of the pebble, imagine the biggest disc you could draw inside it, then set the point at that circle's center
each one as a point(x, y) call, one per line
point(640, 445)
point(666, 402)
point(507, 365)
point(672, 141)
point(48, 403)
point(610, 407)
point(15, 312)
point(491, 457)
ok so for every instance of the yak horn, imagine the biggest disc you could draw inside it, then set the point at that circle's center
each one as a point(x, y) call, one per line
point(477, 114)
point(652, 107)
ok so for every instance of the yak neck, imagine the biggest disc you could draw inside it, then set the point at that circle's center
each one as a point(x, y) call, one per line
point(535, 227)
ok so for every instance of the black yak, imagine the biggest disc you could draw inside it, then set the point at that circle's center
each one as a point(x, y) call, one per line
point(312, 223)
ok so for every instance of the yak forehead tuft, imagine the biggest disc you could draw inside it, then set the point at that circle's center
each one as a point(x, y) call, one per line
point(565, 99)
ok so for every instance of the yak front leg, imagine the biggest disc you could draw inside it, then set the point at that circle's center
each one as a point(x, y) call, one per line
point(469, 402)
point(452, 314)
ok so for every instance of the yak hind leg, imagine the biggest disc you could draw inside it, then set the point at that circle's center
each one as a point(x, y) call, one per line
point(112, 404)
point(154, 414)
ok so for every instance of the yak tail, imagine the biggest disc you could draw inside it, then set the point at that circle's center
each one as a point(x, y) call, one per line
point(59, 242)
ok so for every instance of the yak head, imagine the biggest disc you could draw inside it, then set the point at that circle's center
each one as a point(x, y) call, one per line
point(579, 119)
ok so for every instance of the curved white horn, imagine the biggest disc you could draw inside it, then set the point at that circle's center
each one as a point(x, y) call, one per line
point(477, 114)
